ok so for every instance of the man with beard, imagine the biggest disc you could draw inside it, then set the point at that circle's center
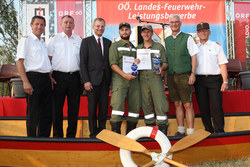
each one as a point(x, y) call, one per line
point(124, 85)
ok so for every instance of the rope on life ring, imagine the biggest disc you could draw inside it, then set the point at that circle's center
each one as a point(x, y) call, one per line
point(151, 132)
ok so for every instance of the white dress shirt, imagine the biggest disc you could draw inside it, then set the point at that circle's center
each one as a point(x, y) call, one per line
point(65, 52)
point(35, 54)
point(101, 41)
point(209, 58)
point(191, 46)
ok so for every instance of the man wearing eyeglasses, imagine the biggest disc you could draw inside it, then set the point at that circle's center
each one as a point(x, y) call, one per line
point(211, 80)
point(96, 75)
point(181, 55)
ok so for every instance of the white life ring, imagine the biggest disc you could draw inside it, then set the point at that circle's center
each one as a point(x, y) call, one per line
point(146, 131)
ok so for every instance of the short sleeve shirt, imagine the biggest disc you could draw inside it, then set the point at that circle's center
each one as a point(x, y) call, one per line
point(209, 58)
point(191, 46)
point(65, 52)
point(35, 54)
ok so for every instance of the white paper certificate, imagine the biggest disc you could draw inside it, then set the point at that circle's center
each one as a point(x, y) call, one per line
point(145, 59)
point(127, 63)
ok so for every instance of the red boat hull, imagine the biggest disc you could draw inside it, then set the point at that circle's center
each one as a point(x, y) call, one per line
point(24, 151)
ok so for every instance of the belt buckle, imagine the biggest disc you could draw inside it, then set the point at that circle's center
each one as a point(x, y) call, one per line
point(206, 75)
point(71, 73)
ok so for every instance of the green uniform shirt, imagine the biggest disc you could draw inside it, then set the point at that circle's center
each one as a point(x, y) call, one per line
point(179, 59)
point(157, 47)
point(116, 52)
point(123, 88)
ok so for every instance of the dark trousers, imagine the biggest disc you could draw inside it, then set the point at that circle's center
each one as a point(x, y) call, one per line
point(39, 106)
point(66, 85)
point(99, 95)
point(209, 97)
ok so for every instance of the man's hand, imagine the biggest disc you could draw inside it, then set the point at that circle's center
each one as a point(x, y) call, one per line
point(137, 61)
point(224, 87)
point(28, 88)
point(88, 86)
point(129, 76)
point(191, 79)
point(53, 81)
point(160, 70)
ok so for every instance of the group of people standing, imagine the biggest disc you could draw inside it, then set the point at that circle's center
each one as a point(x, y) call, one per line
point(56, 71)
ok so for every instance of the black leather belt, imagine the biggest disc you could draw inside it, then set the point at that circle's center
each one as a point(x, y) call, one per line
point(36, 73)
point(209, 75)
point(74, 72)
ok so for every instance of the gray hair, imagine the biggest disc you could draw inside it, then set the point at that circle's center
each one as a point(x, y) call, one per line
point(174, 15)
point(68, 16)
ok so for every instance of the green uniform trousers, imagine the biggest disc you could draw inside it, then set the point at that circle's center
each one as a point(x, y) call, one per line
point(153, 95)
point(121, 91)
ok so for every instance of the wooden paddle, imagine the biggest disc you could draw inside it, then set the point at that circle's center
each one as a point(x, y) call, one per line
point(189, 140)
point(128, 144)
point(184, 143)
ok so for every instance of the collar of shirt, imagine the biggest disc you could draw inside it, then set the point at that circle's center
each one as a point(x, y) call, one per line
point(96, 38)
point(65, 35)
point(152, 44)
point(207, 43)
point(176, 34)
point(35, 37)
point(121, 42)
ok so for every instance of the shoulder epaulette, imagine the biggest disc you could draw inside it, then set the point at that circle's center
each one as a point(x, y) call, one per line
point(52, 35)
point(218, 43)
point(25, 36)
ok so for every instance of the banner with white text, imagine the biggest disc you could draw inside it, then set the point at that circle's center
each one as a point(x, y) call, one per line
point(73, 8)
point(242, 21)
point(191, 12)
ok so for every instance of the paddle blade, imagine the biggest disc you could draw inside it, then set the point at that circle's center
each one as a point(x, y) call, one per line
point(121, 141)
point(189, 140)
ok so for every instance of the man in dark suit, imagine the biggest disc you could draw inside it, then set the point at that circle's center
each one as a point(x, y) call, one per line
point(96, 75)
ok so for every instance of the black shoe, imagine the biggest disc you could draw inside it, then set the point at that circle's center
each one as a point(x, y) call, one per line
point(92, 136)
point(210, 130)
point(163, 128)
point(130, 126)
point(152, 124)
point(179, 134)
point(116, 127)
point(219, 131)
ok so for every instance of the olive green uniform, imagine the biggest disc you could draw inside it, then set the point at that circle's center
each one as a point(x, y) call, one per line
point(152, 89)
point(123, 88)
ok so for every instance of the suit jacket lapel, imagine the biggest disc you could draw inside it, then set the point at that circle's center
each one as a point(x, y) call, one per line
point(105, 45)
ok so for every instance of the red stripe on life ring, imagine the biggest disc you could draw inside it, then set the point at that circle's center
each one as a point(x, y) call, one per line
point(154, 132)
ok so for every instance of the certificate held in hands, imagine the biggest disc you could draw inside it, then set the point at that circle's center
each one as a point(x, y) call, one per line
point(145, 59)
point(127, 63)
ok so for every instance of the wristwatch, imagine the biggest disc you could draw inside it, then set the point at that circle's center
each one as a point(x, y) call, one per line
point(193, 72)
